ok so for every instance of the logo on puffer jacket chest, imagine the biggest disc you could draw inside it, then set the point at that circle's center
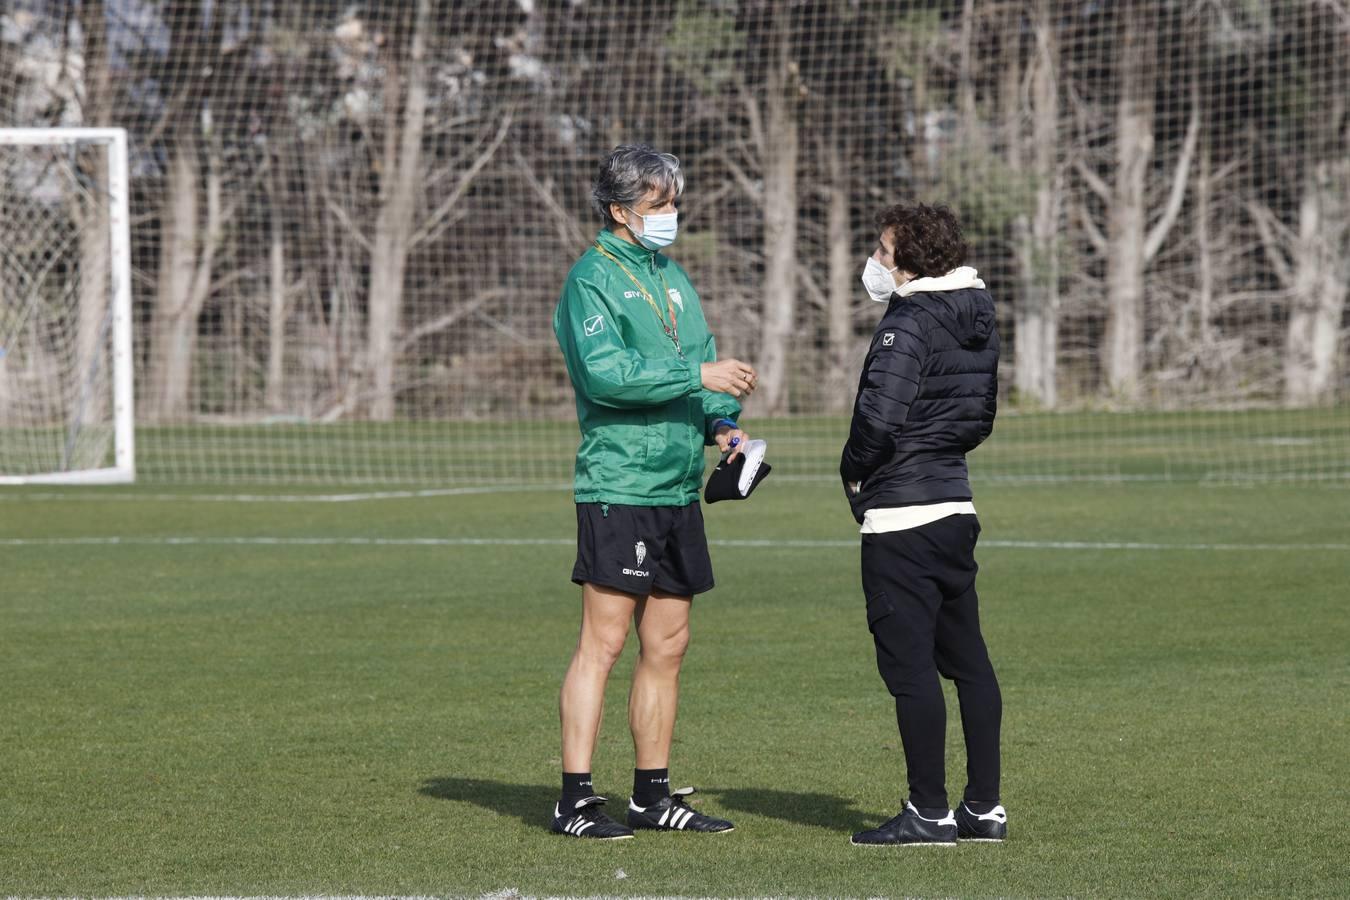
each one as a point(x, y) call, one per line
point(888, 339)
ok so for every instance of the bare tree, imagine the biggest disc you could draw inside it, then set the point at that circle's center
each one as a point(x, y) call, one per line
point(1311, 257)
point(195, 211)
point(405, 109)
point(1312, 262)
point(1132, 241)
point(763, 159)
point(1034, 95)
point(405, 217)
point(842, 271)
point(774, 132)
point(278, 290)
point(1218, 267)
point(92, 213)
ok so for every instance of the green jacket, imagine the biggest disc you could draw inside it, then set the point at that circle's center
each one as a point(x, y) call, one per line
point(645, 417)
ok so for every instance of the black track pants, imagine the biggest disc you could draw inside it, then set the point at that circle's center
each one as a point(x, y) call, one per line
point(924, 616)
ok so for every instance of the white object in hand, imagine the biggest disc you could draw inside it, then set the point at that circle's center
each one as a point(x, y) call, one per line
point(753, 451)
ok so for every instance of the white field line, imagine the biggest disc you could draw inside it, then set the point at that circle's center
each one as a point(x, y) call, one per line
point(1335, 481)
point(283, 498)
point(762, 544)
point(510, 893)
point(504, 894)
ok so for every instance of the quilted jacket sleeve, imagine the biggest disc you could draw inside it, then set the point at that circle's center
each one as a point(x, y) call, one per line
point(889, 384)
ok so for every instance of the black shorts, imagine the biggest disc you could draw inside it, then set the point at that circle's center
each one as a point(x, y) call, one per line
point(639, 549)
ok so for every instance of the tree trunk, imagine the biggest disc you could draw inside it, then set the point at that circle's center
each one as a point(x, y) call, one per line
point(842, 290)
point(1206, 265)
point(93, 368)
point(1036, 315)
point(1320, 285)
point(405, 124)
point(187, 243)
point(276, 307)
point(1131, 243)
point(1127, 222)
point(186, 264)
point(780, 235)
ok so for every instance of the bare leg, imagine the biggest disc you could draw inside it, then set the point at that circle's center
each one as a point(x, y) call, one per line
point(605, 616)
point(663, 629)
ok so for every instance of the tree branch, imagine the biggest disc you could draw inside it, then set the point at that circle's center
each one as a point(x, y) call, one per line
point(1269, 227)
point(1160, 229)
point(752, 115)
point(752, 190)
point(813, 291)
point(1094, 181)
point(462, 186)
point(568, 229)
point(434, 232)
point(440, 323)
point(1094, 234)
point(352, 228)
point(229, 278)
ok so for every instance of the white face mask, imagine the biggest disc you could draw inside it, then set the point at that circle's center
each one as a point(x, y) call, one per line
point(878, 280)
point(657, 230)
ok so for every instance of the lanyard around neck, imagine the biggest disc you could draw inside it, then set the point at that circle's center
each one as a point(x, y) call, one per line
point(672, 330)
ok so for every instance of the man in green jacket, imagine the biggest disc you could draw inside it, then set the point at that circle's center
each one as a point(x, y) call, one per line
point(650, 396)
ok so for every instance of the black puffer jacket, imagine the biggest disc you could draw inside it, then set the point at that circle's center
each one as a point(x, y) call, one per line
point(927, 396)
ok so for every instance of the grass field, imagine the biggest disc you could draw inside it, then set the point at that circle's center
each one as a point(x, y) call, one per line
point(360, 698)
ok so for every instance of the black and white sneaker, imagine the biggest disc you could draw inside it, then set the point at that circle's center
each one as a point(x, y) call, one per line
point(909, 829)
point(990, 827)
point(674, 814)
point(588, 821)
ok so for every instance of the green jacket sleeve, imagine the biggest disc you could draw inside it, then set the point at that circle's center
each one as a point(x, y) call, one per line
point(716, 405)
point(606, 371)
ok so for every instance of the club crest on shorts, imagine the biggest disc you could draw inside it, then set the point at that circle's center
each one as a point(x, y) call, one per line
point(888, 339)
point(640, 550)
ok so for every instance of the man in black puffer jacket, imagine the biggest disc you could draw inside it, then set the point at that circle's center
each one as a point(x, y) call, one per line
point(927, 396)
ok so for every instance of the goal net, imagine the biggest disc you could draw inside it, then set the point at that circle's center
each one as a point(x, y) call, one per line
point(65, 308)
point(351, 222)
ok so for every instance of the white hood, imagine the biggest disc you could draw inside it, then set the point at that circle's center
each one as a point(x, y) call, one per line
point(955, 280)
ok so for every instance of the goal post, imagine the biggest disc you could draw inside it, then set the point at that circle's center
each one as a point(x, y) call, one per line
point(66, 364)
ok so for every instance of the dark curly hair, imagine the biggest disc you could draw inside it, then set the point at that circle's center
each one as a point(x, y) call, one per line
point(928, 239)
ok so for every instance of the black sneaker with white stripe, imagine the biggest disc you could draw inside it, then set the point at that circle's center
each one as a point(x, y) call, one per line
point(587, 820)
point(909, 829)
point(990, 827)
point(673, 813)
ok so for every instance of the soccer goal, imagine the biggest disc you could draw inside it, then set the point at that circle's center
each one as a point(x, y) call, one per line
point(66, 368)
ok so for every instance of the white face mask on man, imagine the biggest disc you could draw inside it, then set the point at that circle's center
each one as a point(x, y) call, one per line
point(878, 280)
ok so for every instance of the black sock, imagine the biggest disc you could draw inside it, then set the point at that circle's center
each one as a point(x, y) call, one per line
point(650, 785)
point(933, 812)
point(981, 807)
point(576, 786)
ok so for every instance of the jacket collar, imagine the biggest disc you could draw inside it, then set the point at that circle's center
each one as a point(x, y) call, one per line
point(955, 280)
point(634, 254)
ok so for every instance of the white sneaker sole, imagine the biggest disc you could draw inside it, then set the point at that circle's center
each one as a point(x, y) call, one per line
point(681, 830)
point(908, 844)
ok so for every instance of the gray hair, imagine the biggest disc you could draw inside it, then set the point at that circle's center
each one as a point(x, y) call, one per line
point(629, 173)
